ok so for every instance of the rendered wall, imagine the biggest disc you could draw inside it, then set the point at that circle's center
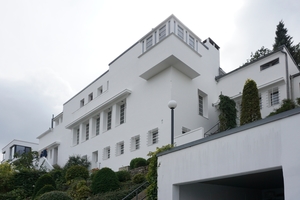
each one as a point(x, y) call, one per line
point(265, 147)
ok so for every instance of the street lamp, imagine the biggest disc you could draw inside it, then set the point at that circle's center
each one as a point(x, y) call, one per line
point(172, 105)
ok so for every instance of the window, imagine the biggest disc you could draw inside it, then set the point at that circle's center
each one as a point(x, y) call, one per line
point(100, 90)
point(77, 136)
point(274, 96)
point(120, 148)
point(269, 64)
point(200, 100)
point(90, 97)
point(81, 103)
point(97, 125)
point(106, 153)
point(162, 32)
point(135, 143)
point(87, 131)
point(185, 130)
point(191, 41)
point(153, 137)
point(180, 32)
point(149, 42)
point(122, 113)
point(109, 120)
point(202, 103)
point(260, 101)
point(94, 159)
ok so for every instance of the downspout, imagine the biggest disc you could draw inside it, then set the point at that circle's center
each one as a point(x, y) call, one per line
point(292, 83)
point(287, 75)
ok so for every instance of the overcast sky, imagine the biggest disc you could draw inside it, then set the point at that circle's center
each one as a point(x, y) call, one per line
point(50, 50)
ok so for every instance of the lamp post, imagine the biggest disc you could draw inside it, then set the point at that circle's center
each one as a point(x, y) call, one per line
point(172, 105)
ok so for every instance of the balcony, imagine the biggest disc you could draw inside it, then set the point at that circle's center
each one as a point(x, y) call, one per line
point(171, 51)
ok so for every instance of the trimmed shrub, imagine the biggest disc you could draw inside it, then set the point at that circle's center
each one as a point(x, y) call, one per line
point(79, 190)
point(77, 160)
point(46, 179)
point(137, 162)
point(26, 180)
point(45, 189)
point(77, 172)
point(105, 180)
point(250, 110)
point(123, 176)
point(139, 178)
point(57, 195)
point(93, 172)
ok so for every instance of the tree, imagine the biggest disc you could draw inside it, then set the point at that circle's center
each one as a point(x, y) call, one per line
point(250, 103)
point(259, 53)
point(26, 161)
point(227, 115)
point(77, 160)
point(282, 38)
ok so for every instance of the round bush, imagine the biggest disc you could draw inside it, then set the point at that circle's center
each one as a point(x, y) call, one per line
point(139, 178)
point(57, 195)
point(45, 189)
point(137, 162)
point(123, 176)
point(77, 171)
point(45, 179)
point(79, 190)
point(105, 180)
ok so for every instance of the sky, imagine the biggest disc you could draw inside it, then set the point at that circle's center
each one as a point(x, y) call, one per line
point(50, 50)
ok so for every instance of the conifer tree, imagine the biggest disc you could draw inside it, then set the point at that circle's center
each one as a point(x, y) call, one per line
point(282, 38)
point(250, 110)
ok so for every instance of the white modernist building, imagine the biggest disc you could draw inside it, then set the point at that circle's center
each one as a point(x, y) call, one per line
point(124, 113)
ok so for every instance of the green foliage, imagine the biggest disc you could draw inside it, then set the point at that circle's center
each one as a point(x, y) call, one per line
point(298, 101)
point(26, 180)
point(152, 172)
point(250, 111)
point(55, 195)
point(6, 175)
point(16, 194)
point(26, 161)
point(77, 172)
point(57, 175)
point(287, 104)
point(259, 53)
point(139, 178)
point(77, 160)
point(45, 179)
point(137, 162)
point(43, 190)
point(123, 176)
point(93, 172)
point(228, 114)
point(282, 38)
point(79, 190)
point(105, 180)
point(126, 188)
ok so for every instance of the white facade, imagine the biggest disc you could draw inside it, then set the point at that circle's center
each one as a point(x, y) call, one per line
point(255, 161)
point(124, 114)
point(17, 147)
